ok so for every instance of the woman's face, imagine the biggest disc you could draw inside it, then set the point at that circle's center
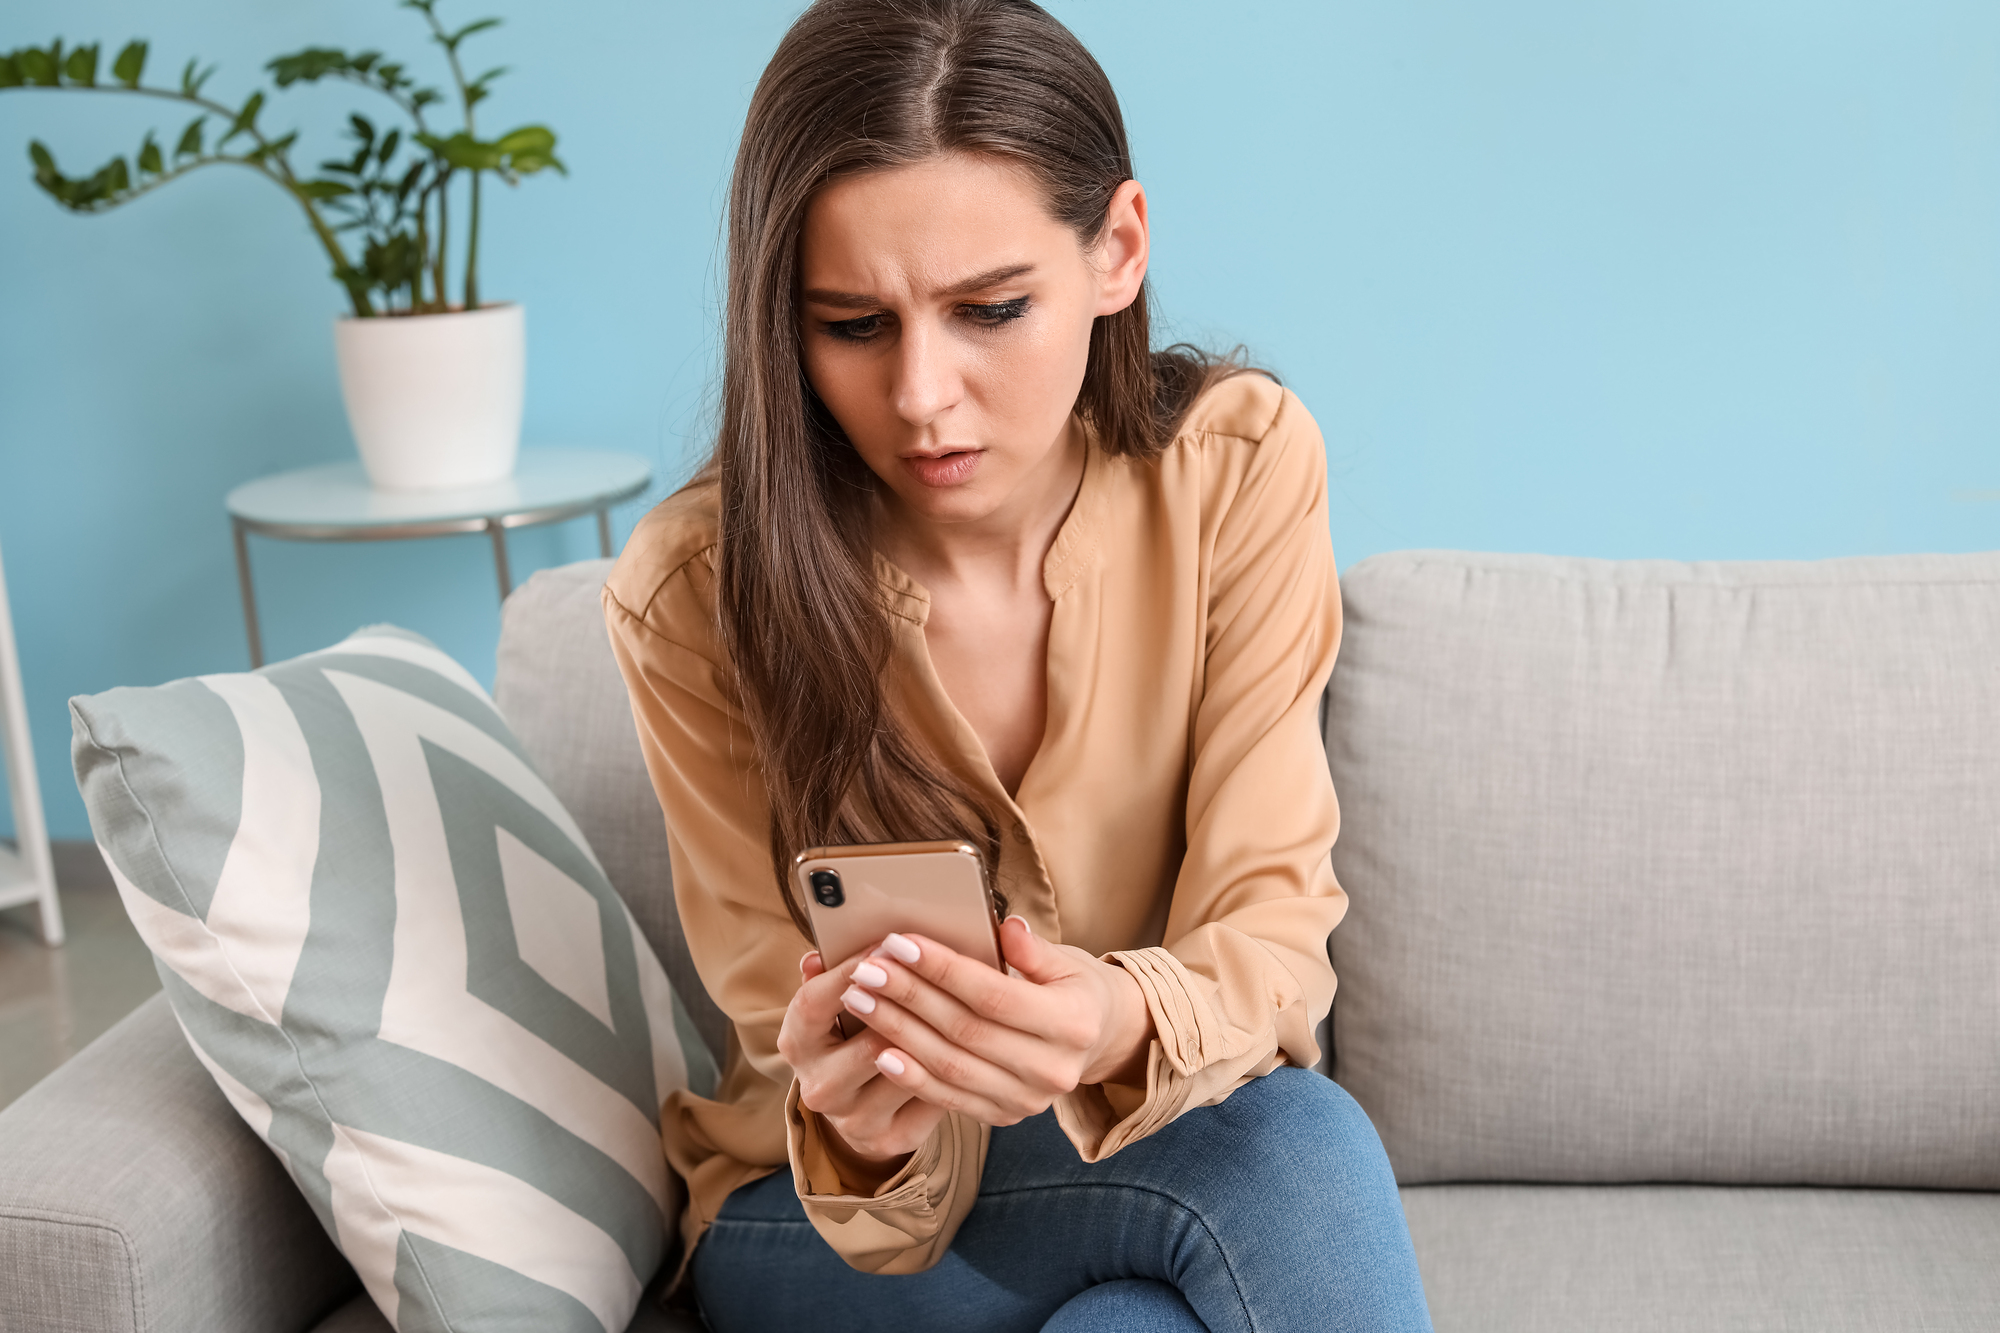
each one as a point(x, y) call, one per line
point(946, 324)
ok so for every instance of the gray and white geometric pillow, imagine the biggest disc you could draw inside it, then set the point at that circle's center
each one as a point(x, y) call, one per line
point(397, 955)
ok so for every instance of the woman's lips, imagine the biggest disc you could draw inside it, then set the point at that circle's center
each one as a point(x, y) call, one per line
point(943, 470)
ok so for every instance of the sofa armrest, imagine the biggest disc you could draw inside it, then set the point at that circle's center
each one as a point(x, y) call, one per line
point(132, 1197)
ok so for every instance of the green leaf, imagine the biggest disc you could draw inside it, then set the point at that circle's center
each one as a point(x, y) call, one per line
point(527, 164)
point(149, 157)
point(191, 81)
point(131, 63)
point(39, 153)
point(310, 65)
point(452, 40)
point(462, 150)
point(38, 68)
point(390, 143)
point(324, 189)
point(276, 148)
point(362, 128)
point(10, 73)
point(411, 179)
point(528, 139)
point(114, 178)
point(490, 75)
point(81, 67)
point(246, 119)
point(190, 143)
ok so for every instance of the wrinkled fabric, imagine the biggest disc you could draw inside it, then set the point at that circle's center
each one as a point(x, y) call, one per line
point(1173, 1234)
point(1176, 820)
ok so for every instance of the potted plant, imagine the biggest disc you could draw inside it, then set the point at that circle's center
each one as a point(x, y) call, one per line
point(433, 386)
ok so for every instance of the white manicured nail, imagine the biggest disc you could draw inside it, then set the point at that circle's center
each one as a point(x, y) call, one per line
point(870, 975)
point(860, 1001)
point(902, 950)
point(1024, 922)
point(888, 1063)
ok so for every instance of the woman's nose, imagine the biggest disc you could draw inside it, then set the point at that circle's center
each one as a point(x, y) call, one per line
point(927, 380)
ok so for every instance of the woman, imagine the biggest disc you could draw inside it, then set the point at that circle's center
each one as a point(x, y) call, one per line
point(971, 561)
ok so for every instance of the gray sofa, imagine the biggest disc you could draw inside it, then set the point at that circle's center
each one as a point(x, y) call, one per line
point(1672, 976)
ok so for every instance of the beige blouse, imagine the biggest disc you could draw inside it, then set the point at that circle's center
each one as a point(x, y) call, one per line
point(1177, 819)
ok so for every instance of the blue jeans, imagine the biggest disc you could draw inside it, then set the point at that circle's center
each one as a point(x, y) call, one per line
point(1275, 1210)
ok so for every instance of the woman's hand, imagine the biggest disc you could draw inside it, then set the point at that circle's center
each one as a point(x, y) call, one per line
point(876, 1123)
point(962, 1037)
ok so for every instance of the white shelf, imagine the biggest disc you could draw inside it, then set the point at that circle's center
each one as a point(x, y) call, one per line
point(26, 875)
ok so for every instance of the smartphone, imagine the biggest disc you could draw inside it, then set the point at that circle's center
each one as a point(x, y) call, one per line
point(856, 895)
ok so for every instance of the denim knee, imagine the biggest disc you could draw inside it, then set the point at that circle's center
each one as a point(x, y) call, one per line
point(1290, 1125)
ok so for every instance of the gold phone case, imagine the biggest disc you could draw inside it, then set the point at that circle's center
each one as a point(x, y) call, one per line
point(935, 889)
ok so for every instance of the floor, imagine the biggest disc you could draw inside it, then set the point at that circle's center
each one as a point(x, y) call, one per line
point(54, 1002)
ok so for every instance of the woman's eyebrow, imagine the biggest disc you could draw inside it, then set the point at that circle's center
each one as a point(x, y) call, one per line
point(862, 301)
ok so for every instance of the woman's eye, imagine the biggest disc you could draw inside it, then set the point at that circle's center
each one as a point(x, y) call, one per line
point(998, 312)
point(856, 330)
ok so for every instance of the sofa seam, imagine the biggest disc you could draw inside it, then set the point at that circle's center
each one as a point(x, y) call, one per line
point(54, 1217)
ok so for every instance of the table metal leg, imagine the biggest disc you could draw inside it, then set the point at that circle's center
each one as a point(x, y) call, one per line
point(499, 535)
point(249, 593)
point(604, 533)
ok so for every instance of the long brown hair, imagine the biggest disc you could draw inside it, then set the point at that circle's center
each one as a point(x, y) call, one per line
point(859, 85)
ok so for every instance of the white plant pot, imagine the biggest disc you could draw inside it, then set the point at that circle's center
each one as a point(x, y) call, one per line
point(434, 400)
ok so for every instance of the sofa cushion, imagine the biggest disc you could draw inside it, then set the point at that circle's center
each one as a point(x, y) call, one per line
point(559, 687)
point(1704, 1259)
point(1672, 872)
point(398, 958)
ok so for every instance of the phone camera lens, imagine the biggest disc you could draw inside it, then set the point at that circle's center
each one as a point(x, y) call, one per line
point(826, 888)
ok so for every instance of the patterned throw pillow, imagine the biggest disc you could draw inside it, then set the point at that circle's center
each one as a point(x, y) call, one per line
point(396, 954)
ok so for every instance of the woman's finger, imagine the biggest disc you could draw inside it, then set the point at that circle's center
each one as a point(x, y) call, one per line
point(987, 1083)
point(907, 1073)
point(992, 998)
point(1024, 1056)
point(817, 1003)
point(833, 1082)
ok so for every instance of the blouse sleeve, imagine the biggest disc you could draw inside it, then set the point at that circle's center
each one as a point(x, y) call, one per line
point(698, 755)
point(1243, 978)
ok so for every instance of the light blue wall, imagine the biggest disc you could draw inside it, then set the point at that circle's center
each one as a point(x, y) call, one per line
point(1674, 278)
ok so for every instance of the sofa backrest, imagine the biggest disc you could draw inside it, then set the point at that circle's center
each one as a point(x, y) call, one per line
point(1672, 872)
point(1658, 871)
point(558, 686)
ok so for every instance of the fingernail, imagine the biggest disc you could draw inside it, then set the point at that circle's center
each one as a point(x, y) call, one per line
point(805, 958)
point(860, 1001)
point(902, 950)
point(870, 975)
point(1024, 922)
point(888, 1063)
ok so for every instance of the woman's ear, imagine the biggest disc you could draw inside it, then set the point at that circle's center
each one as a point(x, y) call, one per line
point(1122, 249)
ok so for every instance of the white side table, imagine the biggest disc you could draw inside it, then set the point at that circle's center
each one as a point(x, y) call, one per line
point(334, 503)
point(27, 875)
